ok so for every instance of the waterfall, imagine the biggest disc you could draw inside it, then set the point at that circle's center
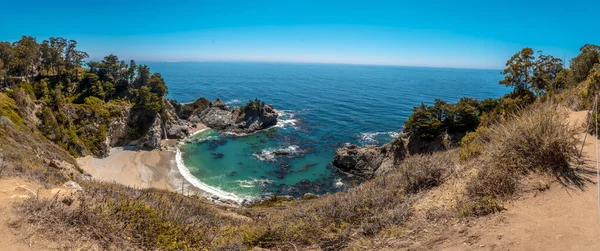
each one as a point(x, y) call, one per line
point(165, 130)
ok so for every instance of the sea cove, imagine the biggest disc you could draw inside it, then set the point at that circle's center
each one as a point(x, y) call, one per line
point(321, 107)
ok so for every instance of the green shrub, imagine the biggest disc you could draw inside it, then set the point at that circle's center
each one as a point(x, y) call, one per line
point(428, 122)
point(9, 109)
point(472, 144)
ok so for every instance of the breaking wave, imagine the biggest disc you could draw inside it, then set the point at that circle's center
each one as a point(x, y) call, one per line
point(253, 183)
point(373, 138)
point(286, 118)
point(233, 102)
point(270, 155)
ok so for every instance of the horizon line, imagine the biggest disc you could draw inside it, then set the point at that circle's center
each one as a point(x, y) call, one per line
point(312, 62)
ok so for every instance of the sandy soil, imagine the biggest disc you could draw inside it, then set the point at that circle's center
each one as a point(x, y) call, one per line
point(14, 190)
point(141, 169)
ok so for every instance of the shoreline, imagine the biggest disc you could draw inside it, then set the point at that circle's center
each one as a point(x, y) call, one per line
point(157, 168)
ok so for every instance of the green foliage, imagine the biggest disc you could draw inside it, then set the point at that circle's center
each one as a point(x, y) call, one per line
point(147, 100)
point(423, 122)
point(41, 89)
point(430, 121)
point(254, 105)
point(157, 85)
point(9, 109)
point(74, 99)
point(518, 69)
point(472, 144)
point(526, 72)
point(564, 80)
point(582, 64)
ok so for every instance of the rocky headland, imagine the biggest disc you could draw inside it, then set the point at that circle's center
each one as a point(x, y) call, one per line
point(372, 161)
point(143, 130)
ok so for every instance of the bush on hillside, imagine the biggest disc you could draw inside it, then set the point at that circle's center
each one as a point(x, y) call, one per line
point(539, 139)
point(422, 172)
point(472, 144)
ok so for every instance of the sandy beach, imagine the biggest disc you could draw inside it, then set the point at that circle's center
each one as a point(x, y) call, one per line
point(141, 168)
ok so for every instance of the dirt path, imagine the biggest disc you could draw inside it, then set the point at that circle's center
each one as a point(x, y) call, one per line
point(562, 218)
point(14, 190)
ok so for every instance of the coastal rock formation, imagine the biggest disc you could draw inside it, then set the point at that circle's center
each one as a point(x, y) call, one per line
point(153, 136)
point(217, 116)
point(131, 127)
point(253, 116)
point(370, 161)
point(174, 127)
point(190, 111)
point(117, 129)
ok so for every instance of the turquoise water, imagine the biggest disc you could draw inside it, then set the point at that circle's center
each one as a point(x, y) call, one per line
point(322, 108)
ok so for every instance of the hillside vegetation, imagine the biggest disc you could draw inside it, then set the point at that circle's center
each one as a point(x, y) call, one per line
point(500, 146)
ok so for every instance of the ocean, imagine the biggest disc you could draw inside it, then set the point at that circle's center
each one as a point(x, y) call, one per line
point(322, 107)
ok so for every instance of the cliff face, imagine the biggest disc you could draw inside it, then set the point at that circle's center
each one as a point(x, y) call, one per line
point(370, 161)
point(442, 142)
point(174, 126)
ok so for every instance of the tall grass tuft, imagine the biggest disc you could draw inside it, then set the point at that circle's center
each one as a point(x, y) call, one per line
point(538, 139)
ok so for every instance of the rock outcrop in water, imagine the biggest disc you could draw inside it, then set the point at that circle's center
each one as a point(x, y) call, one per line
point(370, 161)
point(253, 116)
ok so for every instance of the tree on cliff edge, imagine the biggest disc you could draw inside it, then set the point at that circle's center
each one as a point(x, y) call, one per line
point(525, 72)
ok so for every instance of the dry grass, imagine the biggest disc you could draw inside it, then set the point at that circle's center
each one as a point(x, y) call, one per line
point(421, 172)
point(28, 154)
point(116, 217)
point(538, 140)
point(332, 221)
point(121, 218)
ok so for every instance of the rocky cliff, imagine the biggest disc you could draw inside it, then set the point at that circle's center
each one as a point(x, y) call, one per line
point(370, 161)
point(131, 127)
point(253, 116)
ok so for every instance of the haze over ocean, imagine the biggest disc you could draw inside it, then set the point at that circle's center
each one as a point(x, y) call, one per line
point(323, 107)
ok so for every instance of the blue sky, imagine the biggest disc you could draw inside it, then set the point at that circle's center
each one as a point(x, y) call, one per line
point(460, 33)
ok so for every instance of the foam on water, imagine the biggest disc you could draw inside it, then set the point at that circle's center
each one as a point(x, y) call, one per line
point(372, 138)
point(233, 102)
point(286, 118)
point(269, 154)
point(185, 172)
point(253, 183)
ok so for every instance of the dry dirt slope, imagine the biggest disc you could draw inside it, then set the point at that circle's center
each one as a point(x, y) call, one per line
point(13, 190)
point(562, 218)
